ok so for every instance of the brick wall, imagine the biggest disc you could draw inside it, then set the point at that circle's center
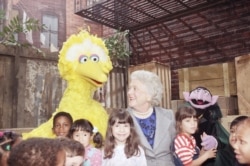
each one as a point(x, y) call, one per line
point(68, 22)
point(36, 9)
point(108, 31)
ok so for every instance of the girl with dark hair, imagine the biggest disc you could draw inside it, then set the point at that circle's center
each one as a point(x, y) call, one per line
point(122, 145)
point(186, 152)
point(83, 131)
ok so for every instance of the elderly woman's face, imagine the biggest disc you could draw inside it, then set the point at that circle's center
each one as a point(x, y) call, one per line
point(138, 95)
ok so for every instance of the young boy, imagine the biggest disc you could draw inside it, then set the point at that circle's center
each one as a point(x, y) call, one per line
point(242, 142)
point(62, 123)
point(233, 126)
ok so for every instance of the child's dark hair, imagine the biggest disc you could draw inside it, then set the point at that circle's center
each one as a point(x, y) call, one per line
point(132, 142)
point(65, 114)
point(86, 125)
point(71, 147)
point(238, 120)
point(183, 112)
point(35, 151)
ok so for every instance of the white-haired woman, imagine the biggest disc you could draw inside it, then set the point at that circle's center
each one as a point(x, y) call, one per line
point(155, 125)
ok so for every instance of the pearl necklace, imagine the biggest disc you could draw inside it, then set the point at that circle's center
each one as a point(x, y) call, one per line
point(143, 114)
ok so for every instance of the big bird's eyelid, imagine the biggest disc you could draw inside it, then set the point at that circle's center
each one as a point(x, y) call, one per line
point(94, 58)
point(83, 58)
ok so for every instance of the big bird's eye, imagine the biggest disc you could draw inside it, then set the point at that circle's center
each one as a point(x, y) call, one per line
point(83, 59)
point(94, 58)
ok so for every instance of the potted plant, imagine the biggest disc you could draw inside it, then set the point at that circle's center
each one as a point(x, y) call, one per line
point(118, 47)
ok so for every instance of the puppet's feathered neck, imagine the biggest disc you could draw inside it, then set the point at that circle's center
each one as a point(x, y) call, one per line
point(78, 92)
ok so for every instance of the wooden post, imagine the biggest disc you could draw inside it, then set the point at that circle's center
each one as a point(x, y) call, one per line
point(226, 80)
point(186, 80)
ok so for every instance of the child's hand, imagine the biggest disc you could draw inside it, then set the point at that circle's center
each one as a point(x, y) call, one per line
point(208, 153)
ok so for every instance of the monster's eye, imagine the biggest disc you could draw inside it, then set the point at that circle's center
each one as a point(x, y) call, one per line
point(83, 59)
point(94, 58)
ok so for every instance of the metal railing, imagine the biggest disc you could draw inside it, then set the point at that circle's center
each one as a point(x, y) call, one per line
point(84, 4)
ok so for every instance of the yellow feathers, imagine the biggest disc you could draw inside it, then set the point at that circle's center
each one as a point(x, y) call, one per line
point(84, 63)
point(84, 46)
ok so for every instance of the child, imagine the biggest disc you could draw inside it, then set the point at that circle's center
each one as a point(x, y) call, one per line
point(233, 127)
point(62, 122)
point(122, 142)
point(83, 131)
point(74, 151)
point(186, 152)
point(242, 142)
point(38, 152)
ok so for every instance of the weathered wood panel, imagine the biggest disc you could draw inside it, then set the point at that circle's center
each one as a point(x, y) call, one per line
point(31, 87)
point(43, 89)
point(6, 93)
point(114, 90)
point(243, 86)
point(220, 79)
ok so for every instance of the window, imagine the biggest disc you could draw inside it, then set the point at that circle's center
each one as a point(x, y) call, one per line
point(92, 2)
point(49, 36)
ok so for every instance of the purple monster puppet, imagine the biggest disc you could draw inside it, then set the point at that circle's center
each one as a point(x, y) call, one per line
point(200, 98)
point(210, 134)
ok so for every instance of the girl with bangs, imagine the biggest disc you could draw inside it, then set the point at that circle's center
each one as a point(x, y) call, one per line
point(84, 132)
point(186, 152)
point(122, 145)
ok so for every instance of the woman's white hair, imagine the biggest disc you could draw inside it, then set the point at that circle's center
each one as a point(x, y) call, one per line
point(152, 83)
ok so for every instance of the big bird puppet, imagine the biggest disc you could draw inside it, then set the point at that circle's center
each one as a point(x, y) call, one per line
point(84, 63)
